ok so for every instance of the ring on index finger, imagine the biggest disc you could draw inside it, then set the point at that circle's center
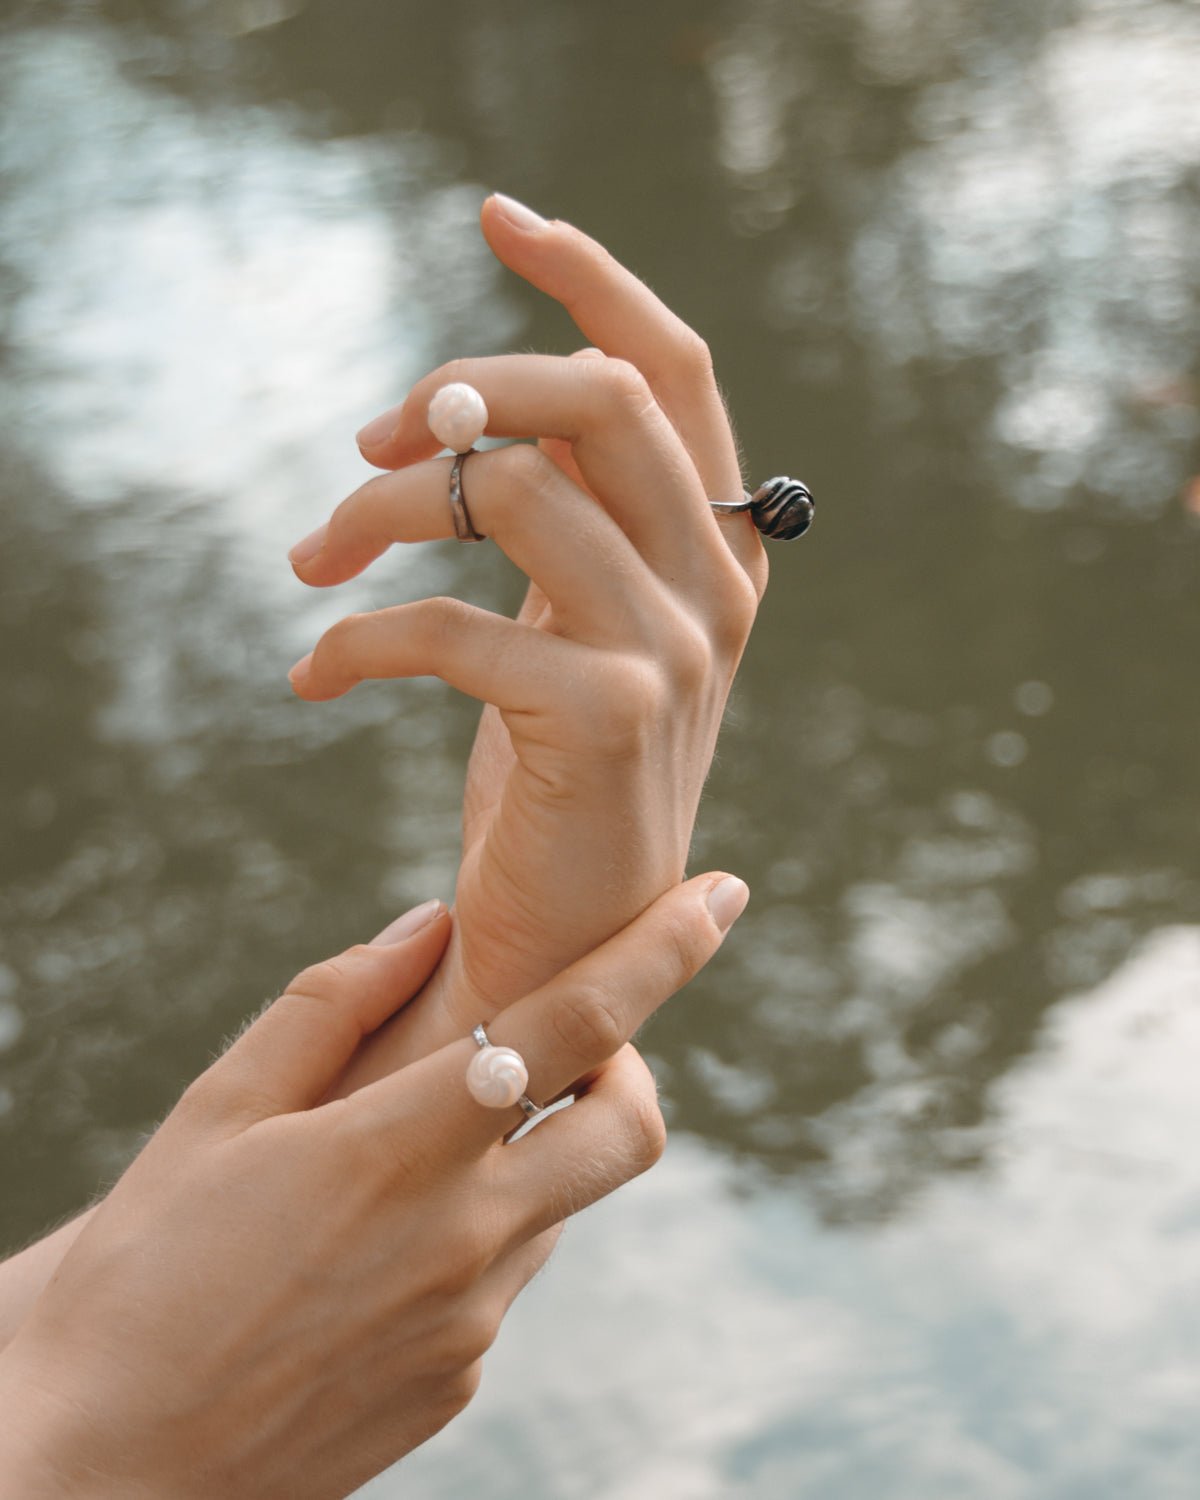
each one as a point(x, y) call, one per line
point(497, 1076)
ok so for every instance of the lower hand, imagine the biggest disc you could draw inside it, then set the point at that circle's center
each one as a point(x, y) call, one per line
point(281, 1297)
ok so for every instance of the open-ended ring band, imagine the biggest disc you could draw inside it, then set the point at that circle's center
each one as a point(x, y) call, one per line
point(463, 528)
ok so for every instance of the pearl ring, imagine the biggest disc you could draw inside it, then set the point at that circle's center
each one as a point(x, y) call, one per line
point(497, 1076)
point(781, 509)
point(457, 417)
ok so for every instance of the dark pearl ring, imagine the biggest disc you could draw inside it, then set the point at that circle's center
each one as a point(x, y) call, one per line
point(782, 509)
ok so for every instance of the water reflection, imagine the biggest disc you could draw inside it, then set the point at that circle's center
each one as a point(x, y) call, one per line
point(951, 289)
point(1038, 210)
point(189, 344)
point(1027, 1332)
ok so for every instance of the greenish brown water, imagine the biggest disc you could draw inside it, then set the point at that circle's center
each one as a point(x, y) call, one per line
point(931, 1223)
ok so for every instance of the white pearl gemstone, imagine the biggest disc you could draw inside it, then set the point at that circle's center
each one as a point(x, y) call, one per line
point(458, 416)
point(496, 1076)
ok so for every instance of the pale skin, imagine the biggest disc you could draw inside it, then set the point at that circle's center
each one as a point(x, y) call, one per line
point(284, 1294)
point(604, 698)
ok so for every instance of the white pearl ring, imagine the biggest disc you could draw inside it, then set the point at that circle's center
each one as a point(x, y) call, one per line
point(458, 416)
point(497, 1076)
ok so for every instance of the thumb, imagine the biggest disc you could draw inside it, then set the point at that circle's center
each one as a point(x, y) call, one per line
point(298, 1048)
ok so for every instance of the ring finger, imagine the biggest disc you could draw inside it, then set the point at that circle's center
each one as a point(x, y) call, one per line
point(560, 538)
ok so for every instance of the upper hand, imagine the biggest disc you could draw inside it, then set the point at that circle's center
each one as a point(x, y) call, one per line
point(607, 693)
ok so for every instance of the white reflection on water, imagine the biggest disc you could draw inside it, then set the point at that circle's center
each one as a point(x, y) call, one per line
point(1027, 1332)
point(206, 306)
point(1046, 216)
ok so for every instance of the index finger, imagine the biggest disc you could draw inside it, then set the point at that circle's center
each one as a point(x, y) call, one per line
point(571, 1025)
point(621, 316)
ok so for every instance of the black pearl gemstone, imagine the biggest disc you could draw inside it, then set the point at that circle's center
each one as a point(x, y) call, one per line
point(782, 508)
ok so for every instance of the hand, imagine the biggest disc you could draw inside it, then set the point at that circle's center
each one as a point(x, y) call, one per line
point(281, 1297)
point(607, 693)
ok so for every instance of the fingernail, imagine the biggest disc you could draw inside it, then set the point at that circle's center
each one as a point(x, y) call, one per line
point(377, 432)
point(300, 671)
point(518, 215)
point(304, 551)
point(408, 925)
point(727, 901)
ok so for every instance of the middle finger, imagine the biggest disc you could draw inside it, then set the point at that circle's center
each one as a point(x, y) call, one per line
point(630, 456)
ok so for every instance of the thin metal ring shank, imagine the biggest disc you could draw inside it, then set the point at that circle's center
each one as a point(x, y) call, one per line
point(732, 507)
point(480, 1038)
point(463, 528)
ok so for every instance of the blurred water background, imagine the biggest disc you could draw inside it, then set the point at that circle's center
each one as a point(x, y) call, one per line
point(930, 1222)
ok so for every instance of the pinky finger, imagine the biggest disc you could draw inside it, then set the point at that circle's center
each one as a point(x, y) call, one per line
point(612, 1133)
point(484, 655)
point(512, 1271)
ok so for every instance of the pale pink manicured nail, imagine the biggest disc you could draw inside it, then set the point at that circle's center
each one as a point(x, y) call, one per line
point(300, 671)
point(518, 215)
point(727, 901)
point(378, 431)
point(306, 549)
point(408, 925)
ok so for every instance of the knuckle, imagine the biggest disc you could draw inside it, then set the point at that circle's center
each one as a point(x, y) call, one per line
point(338, 642)
point(202, 1098)
point(692, 656)
point(520, 463)
point(695, 357)
point(648, 1134)
point(525, 473)
point(440, 618)
point(586, 1021)
point(625, 709)
point(459, 1391)
point(453, 371)
point(467, 1337)
point(623, 385)
point(323, 982)
point(739, 606)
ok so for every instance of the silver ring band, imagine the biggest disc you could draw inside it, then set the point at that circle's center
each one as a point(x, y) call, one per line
point(461, 516)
